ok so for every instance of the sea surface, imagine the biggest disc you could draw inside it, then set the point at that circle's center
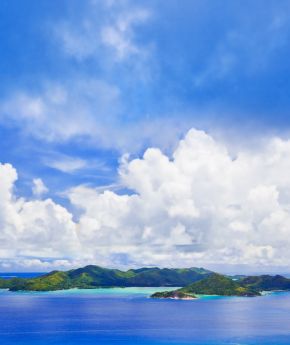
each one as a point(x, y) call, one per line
point(20, 275)
point(128, 316)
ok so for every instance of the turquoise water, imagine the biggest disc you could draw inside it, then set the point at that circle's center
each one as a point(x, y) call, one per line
point(129, 316)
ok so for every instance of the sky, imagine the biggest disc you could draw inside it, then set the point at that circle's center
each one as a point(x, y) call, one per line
point(145, 133)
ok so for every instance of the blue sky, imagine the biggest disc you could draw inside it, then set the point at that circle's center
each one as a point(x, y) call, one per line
point(207, 64)
point(85, 82)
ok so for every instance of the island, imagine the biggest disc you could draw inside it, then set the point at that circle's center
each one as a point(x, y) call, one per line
point(191, 282)
point(175, 294)
point(221, 285)
point(267, 282)
point(215, 284)
point(91, 277)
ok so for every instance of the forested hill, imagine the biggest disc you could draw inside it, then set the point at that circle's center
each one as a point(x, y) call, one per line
point(218, 284)
point(91, 276)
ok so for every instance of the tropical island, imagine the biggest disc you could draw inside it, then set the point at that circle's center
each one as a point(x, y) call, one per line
point(215, 284)
point(91, 277)
point(192, 281)
point(221, 285)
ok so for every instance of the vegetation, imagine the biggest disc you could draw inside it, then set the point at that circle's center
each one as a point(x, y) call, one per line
point(194, 281)
point(214, 284)
point(90, 277)
point(218, 284)
point(266, 282)
point(176, 294)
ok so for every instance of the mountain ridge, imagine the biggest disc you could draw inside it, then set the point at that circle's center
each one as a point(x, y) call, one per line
point(92, 276)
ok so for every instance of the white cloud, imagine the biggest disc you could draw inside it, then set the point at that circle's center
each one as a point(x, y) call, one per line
point(201, 205)
point(39, 188)
point(60, 112)
point(119, 35)
point(87, 110)
point(66, 164)
point(32, 227)
point(198, 207)
point(112, 33)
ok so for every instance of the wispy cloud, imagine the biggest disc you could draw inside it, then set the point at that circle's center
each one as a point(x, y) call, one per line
point(115, 31)
point(66, 164)
point(60, 111)
point(120, 35)
point(39, 188)
point(247, 47)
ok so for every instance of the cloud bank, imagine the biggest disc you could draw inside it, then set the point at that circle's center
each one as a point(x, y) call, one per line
point(201, 205)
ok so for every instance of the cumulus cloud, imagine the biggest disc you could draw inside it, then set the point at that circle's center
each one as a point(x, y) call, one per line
point(199, 206)
point(32, 227)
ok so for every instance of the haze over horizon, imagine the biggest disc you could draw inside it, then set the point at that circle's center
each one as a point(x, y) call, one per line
point(135, 133)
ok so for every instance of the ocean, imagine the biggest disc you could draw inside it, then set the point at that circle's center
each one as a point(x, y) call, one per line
point(10, 275)
point(128, 316)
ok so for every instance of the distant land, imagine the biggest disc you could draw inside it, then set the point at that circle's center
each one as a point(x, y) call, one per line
point(91, 277)
point(193, 281)
point(221, 285)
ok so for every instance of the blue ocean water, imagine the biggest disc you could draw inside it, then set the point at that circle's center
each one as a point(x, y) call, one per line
point(10, 275)
point(128, 316)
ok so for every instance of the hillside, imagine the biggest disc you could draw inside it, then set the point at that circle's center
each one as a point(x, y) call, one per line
point(215, 284)
point(218, 284)
point(266, 282)
point(91, 276)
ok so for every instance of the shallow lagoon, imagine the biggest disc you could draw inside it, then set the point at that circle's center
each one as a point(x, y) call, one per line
point(128, 316)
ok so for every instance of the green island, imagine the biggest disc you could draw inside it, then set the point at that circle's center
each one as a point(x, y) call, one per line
point(221, 285)
point(215, 284)
point(193, 281)
point(91, 277)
